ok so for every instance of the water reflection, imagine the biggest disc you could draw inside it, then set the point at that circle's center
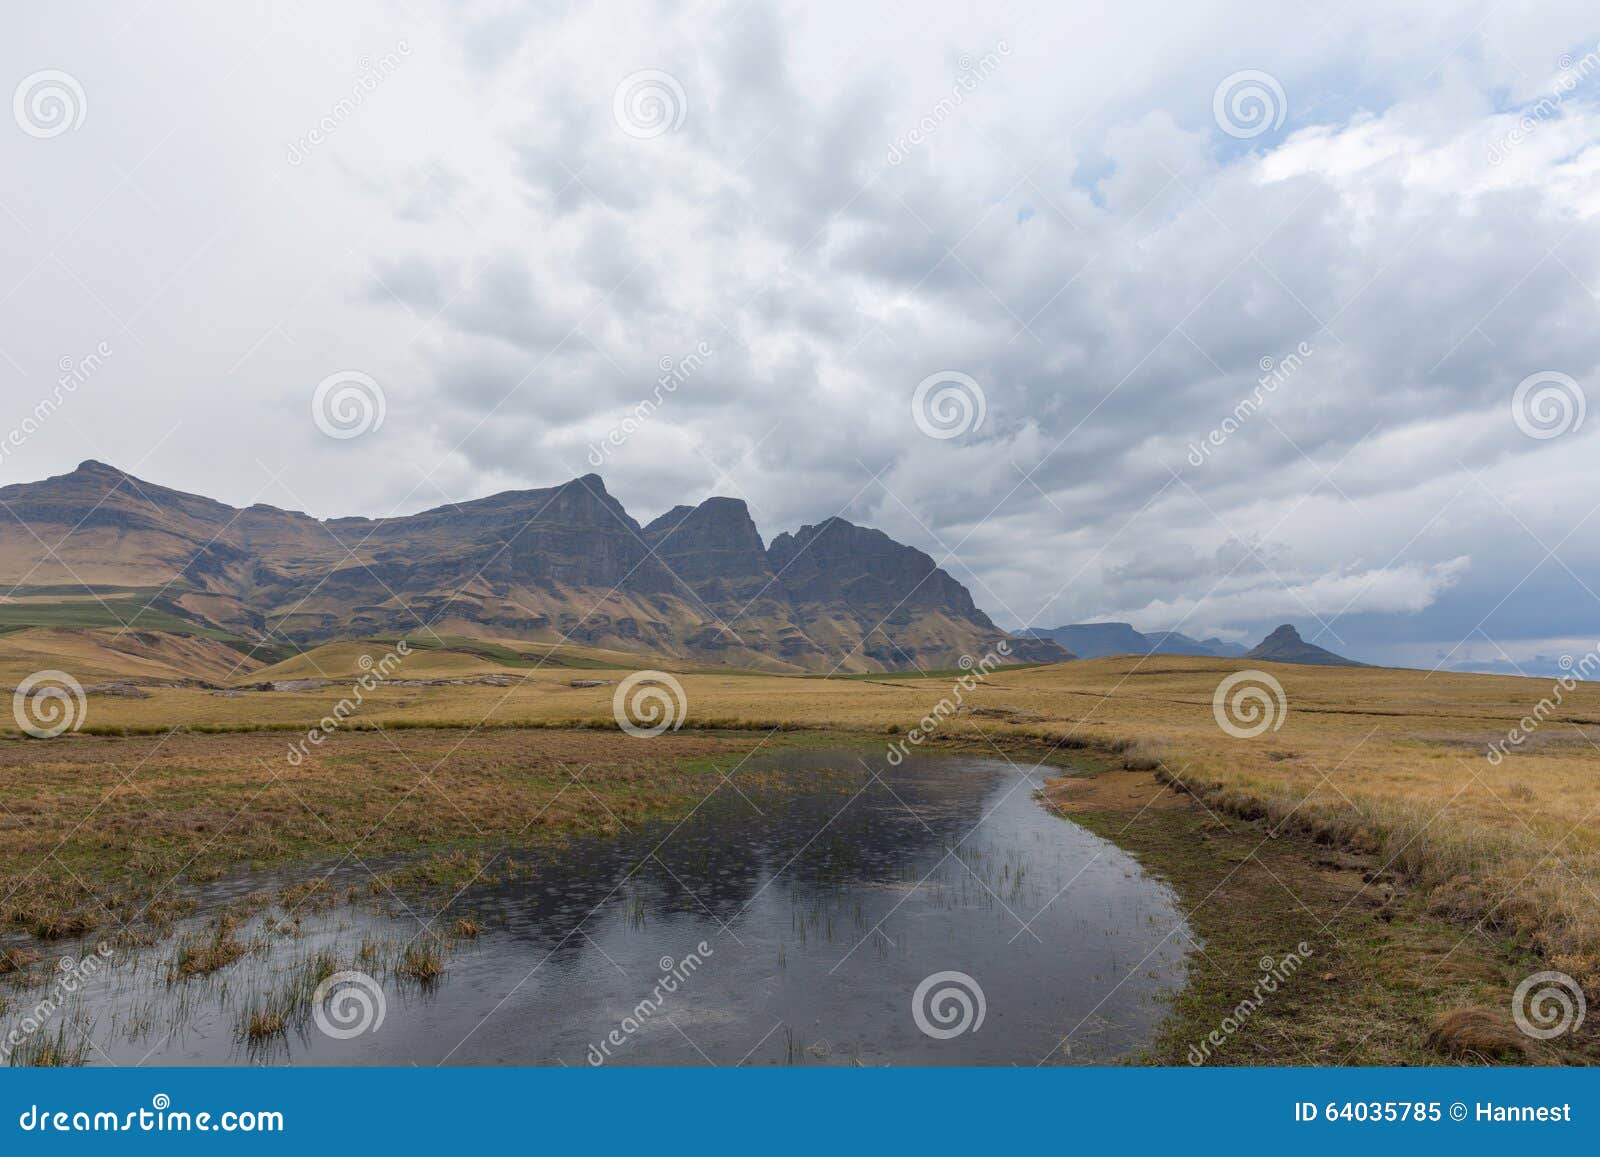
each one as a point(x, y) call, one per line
point(774, 927)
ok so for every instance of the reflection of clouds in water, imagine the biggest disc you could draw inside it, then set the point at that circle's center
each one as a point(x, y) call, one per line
point(835, 916)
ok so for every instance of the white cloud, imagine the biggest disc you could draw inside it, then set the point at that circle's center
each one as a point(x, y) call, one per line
point(1079, 236)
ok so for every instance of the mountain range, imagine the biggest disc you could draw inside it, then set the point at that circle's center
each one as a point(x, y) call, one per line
point(1097, 640)
point(564, 563)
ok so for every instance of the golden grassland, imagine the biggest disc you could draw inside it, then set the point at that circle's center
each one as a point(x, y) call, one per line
point(1386, 759)
point(106, 834)
point(1387, 763)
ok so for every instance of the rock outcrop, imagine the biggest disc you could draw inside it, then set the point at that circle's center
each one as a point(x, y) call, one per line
point(561, 563)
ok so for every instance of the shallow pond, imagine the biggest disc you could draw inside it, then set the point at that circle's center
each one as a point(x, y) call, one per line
point(931, 913)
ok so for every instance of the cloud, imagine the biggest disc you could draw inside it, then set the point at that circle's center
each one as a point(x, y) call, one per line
point(1077, 233)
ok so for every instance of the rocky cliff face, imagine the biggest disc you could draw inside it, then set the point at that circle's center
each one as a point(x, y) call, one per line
point(714, 548)
point(565, 562)
point(838, 563)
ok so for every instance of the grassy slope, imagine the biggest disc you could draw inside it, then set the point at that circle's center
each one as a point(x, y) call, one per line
point(102, 654)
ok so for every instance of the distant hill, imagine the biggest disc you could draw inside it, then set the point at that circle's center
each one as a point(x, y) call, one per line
point(1285, 645)
point(1096, 640)
point(562, 565)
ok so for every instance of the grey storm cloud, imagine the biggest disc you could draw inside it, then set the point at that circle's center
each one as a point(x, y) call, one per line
point(1228, 380)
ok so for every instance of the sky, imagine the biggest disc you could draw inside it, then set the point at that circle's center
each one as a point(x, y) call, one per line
point(1207, 316)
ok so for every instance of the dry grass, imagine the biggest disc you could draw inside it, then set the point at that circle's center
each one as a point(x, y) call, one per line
point(97, 831)
point(1389, 762)
point(201, 956)
point(421, 962)
point(262, 1024)
point(1479, 1035)
point(16, 960)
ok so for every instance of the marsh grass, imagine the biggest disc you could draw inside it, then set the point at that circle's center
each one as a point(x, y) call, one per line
point(147, 842)
point(1379, 762)
point(64, 1048)
point(204, 955)
point(422, 962)
point(13, 960)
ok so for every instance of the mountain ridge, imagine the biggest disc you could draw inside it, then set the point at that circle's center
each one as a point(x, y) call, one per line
point(1099, 640)
point(566, 561)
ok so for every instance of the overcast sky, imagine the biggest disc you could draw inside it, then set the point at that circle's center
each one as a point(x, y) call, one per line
point(1109, 218)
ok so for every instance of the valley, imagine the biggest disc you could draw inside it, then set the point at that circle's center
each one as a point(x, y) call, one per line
point(232, 722)
point(1365, 819)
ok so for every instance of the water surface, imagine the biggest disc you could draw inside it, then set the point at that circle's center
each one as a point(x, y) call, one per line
point(821, 908)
